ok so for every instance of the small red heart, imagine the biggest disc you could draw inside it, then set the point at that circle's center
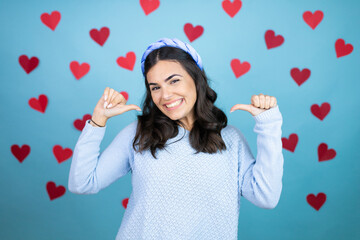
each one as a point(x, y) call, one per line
point(53, 191)
point(100, 36)
point(316, 201)
point(300, 76)
point(313, 19)
point(127, 62)
point(291, 143)
point(20, 153)
point(125, 94)
point(238, 68)
point(52, 20)
point(79, 124)
point(28, 65)
point(324, 153)
point(79, 70)
point(273, 41)
point(193, 33)
point(231, 8)
point(342, 49)
point(149, 6)
point(125, 202)
point(39, 104)
point(61, 154)
point(320, 112)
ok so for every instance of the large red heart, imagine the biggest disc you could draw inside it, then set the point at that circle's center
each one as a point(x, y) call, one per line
point(52, 20)
point(324, 153)
point(39, 104)
point(20, 153)
point(316, 201)
point(61, 154)
point(273, 41)
point(100, 36)
point(149, 6)
point(320, 112)
point(125, 202)
point(300, 76)
point(53, 191)
point(313, 19)
point(79, 70)
point(291, 143)
point(28, 65)
point(79, 124)
point(342, 49)
point(127, 62)
point(192, 32)
point(231, 8)
point(238, 68)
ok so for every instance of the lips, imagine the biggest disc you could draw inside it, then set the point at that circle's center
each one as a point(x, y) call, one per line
point(171, 102)
point(172, 108)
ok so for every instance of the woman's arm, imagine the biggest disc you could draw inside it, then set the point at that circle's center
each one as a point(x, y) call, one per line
point(91, 171)
point(260, 180)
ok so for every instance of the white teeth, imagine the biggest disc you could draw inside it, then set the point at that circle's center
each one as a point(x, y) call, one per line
point(174, 104)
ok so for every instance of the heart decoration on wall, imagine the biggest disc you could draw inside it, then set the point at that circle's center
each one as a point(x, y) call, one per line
point(101, 36)
point(239, 68)
point(313, 19)
point(272, 40)
point(79, 70)
point(51, 20)
point(316, 201)
point(61, 154)
point(127, 62)
point(79, 124)
point(291, 142)
point(325, 154)
point(149, 6)
point(342, 49)
point(20, 152)
point(231, 8)
point(54, 191)
point(39, 104)
point(28, 64)
point(300, 76)
point(193, 33)
point(320, 111)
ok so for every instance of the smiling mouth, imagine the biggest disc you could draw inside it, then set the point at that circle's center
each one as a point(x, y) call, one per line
point(174, 105)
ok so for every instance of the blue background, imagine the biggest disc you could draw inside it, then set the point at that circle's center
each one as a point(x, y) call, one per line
point(25, 209)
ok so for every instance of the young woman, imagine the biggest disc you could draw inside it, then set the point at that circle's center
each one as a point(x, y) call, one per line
point(189, 168)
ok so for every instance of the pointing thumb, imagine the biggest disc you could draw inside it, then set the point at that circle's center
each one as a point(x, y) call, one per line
point(245, 107)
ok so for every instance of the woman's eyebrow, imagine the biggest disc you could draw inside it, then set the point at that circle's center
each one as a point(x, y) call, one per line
point(167, 79)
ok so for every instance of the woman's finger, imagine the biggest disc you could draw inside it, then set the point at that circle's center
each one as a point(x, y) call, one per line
point(267, 101)
point(262, 100)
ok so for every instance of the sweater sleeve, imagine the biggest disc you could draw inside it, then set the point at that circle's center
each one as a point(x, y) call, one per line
point(261, 179)
point(90, 170)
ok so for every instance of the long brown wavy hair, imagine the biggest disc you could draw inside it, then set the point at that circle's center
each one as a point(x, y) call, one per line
point(154, 128)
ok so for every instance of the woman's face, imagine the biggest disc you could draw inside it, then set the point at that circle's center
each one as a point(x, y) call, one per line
point(169, 83)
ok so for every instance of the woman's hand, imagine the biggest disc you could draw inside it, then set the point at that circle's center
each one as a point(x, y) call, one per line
point(115, 104)
point(259, 103)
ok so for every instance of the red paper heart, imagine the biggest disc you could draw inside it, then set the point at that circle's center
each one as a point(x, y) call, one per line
point(313, 19)
point(79, 124)
point(39, 104)
point(52, 20)
point(127, 62)
point(325, 154)
point(125, 202)
point(238, 68)
point(316, 202)
point(320, 112)
point(79, 70)
point(273, 41)
point(193, 33)
point(231, 8)
point(342, 49)
point(291, 143)
point(125, 95)
point(28, 65)
point(300, 76)
point(53, 191)
point(20, 153)
point(149, 6)
point(100, 36)
point(61, 154)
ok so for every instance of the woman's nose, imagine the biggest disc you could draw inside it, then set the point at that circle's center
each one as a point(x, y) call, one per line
point(166, 94)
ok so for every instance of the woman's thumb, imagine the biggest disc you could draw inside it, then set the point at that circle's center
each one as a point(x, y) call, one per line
point(133, 107)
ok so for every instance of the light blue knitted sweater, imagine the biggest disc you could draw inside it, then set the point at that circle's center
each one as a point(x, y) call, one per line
point(182, 195)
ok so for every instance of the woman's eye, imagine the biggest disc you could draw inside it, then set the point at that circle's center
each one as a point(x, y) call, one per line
point(173, 81)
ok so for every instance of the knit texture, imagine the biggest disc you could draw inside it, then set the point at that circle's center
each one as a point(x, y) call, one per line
point(182, 195)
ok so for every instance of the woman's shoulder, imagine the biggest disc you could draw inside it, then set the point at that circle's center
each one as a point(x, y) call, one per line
point(231, 133)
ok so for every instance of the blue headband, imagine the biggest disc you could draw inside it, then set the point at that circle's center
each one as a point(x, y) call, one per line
point(163, 42)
